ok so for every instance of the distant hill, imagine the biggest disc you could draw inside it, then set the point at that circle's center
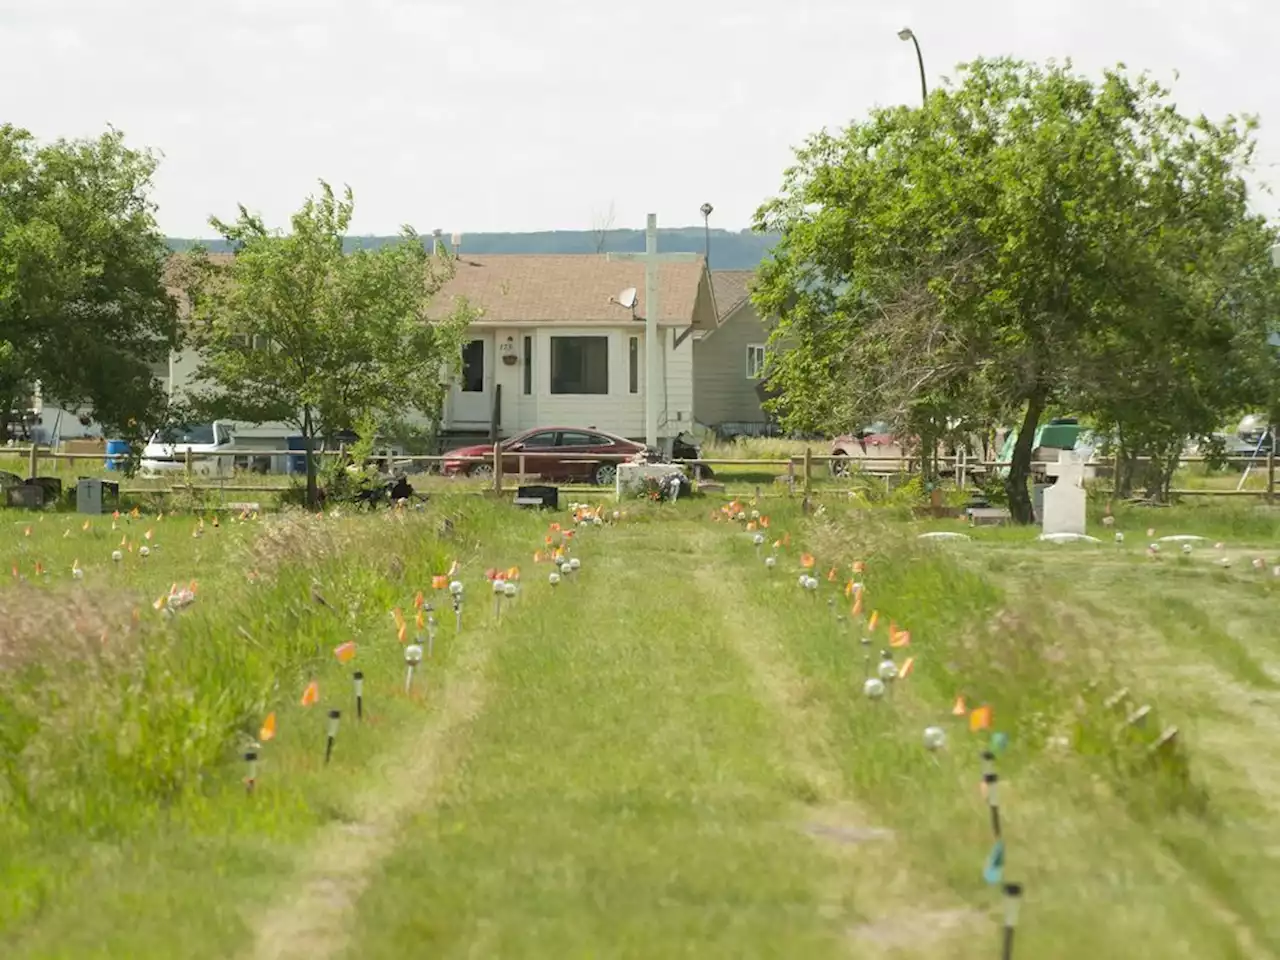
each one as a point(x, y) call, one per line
point(729, 251)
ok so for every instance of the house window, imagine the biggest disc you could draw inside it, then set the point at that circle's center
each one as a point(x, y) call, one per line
point(755, 361)
point(528, 366)
point(580, 365)
point(473, 367)
point(633, 364)
point(255, 341)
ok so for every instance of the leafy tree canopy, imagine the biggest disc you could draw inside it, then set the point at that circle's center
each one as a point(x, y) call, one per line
point(1028, 238)
point(291, 329)
point(84, 311)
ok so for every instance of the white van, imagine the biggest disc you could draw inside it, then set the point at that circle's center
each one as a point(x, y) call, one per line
point(166, 453)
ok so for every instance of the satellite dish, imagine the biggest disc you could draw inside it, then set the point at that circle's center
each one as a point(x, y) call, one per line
point(627, 298)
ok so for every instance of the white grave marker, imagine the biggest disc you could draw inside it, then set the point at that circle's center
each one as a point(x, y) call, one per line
point(1065, 501)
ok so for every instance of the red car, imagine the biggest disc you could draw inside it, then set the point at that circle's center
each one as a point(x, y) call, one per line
point(556, 453)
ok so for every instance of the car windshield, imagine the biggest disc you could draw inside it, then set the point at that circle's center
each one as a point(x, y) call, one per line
point(199, 433)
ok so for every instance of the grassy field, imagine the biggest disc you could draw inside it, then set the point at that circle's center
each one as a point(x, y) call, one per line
point(668, 754)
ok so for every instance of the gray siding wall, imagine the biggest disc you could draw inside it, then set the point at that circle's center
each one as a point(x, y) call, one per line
point(721, 391)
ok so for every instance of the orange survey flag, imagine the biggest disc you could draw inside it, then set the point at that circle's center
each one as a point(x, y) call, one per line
point(420, 620)
point(786, 539)
point(345, 652)
point(268, 731)
point(981, 719)
point(806, 560)
point(859, 566)
point(959, 710)
point(439, 583)
point(908, 665)
point(764, 522)
point(751, 525)
point(311, 695)
point(398, 617)
point(418, 601)
point(831, 575)
point(453, 568)
point(537, 556)
point(875, 618)
point(402, 632)
point(857, 604)
point(898, 638)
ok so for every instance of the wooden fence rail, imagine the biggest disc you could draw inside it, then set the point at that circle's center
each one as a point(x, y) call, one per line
point(799, 469)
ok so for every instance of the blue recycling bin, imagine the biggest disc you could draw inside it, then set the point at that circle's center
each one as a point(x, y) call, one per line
point(117, 454)
point(297, 464)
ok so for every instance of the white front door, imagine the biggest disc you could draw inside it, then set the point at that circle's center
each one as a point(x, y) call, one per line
point(471, 397)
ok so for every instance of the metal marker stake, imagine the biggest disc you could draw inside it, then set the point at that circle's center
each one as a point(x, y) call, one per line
point(431, 633)
point(1012, 903)
point(358, 678)
point(251, 779)
point(991, 780)
point(412, 657)
point(334, 715)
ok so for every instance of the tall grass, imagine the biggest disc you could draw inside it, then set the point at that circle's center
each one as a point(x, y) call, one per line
point(116, 712)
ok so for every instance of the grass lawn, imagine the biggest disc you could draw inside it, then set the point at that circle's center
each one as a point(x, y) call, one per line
point(667, 754)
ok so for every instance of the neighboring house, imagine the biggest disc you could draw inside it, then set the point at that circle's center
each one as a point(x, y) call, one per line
point(728, 361)
point(550, 345)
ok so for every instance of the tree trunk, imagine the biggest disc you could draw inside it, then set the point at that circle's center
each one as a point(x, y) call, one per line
point(1020, 463)
point(309, 445)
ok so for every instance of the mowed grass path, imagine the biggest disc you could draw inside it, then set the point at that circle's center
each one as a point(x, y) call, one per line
point(632, 788)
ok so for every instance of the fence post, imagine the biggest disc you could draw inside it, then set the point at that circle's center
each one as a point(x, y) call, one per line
point(497, 469)
point(186, 465)
point(520, 479)
point(1271, 466)
point(791, 476)
point(33, 460)
point(808, 470)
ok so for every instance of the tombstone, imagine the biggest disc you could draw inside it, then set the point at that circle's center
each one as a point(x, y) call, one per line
point(1065, 502)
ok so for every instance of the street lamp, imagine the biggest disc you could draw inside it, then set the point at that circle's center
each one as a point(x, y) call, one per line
point(706, 209)
point(906, 34)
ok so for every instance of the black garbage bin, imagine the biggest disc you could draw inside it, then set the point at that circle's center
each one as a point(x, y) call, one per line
point(538, 495)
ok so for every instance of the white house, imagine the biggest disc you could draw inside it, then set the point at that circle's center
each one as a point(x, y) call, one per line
point(551, 346)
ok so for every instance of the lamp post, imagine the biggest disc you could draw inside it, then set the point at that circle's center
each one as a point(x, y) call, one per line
point(906, 34)
point(705, 210)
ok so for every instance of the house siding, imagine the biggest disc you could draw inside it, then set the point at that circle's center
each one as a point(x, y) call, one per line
point(722, 392)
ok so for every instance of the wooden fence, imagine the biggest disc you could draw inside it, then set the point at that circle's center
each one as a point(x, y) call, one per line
point(797, 472)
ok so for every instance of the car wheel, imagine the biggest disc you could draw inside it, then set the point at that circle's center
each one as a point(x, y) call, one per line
point(481, 471)
point(606, 474)
point(840, 467)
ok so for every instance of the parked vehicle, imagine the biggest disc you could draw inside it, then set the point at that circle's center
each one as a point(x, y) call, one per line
point(166, 452)
point(877, 442)
point(553, 453)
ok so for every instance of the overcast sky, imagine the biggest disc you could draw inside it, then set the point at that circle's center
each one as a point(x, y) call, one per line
point(539, 114)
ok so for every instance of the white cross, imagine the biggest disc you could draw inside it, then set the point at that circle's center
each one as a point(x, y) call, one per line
point(1069, 469)
point(652, 356)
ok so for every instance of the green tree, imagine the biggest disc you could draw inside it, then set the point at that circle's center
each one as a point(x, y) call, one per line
point(84, 310)
point(290, 329)
point(1020, 242)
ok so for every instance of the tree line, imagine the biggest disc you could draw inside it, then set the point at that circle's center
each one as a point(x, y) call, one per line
point(1029, 240)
